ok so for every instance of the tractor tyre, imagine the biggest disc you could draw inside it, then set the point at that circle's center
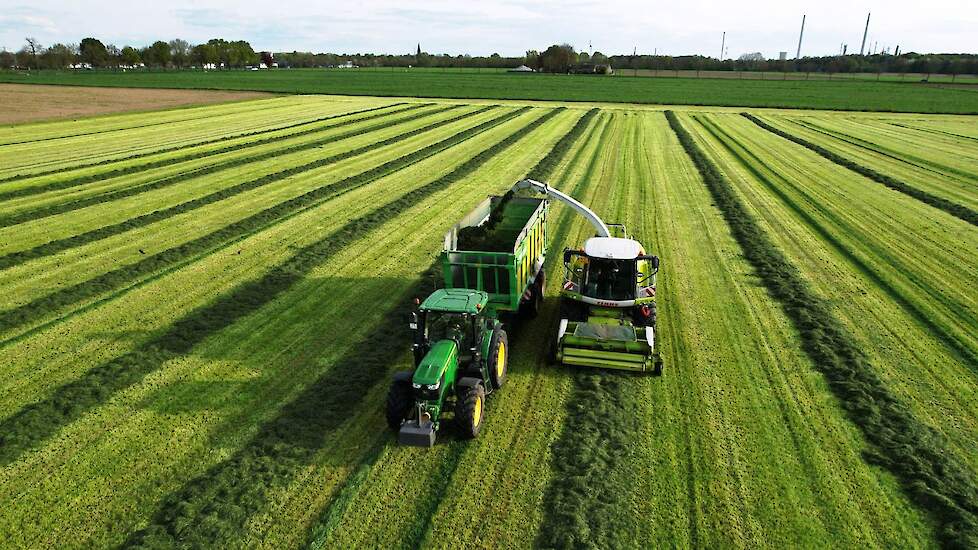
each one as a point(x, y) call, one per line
point(498, 359)
point(399, 401)
point(470, 410)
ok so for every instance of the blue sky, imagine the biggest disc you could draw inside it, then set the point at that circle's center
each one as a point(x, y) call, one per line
point(504, 26)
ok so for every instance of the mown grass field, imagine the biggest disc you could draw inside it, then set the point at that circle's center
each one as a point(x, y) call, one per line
point(201, 309)
point(848, 95)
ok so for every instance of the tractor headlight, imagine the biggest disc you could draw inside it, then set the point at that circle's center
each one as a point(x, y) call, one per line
point(434, 386)
point(416, 386)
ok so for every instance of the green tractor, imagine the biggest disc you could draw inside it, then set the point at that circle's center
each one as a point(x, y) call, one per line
point(492, 266)
point(460, 355)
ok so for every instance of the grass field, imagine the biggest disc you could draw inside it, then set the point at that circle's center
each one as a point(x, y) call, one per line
point(201, 309)
point(856, 95)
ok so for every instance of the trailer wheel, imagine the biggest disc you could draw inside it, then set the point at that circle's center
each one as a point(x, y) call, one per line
point(470, 410)
point(498, 360)
point(530, 308)
point(399, 401)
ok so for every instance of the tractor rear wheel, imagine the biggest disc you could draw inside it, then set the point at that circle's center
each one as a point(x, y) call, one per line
point(470, 410)
point(399, 401)
point(498, 359)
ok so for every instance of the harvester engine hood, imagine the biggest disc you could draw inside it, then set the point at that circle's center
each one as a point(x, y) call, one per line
point(429, 386)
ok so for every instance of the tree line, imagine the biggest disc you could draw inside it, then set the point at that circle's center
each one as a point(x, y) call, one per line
point(558, 58)
point(91, 52)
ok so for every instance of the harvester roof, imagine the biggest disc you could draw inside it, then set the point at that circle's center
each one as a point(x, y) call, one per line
point(614, 248)
point(456, 300)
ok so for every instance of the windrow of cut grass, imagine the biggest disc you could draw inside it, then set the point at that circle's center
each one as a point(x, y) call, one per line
point(73, 203)
point(429, 490)
point(957, 210)
point(933, 293)
point(59, 245)
point(45, 131)
point(114, 466)
point(931, 474)
point(423, 481)
point(280, 447)
point(131, 169)
point(951, 156)
point(739, 415)
point(47, 305)
point(513, 455)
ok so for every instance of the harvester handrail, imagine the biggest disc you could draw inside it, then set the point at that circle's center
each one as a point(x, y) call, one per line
point(541, 187)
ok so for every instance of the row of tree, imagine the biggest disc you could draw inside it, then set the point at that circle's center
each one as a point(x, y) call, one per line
point(91, 52)
point(555, 59)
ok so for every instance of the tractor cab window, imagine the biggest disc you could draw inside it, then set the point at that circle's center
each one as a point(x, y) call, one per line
point(454, 326)
point(610, 279)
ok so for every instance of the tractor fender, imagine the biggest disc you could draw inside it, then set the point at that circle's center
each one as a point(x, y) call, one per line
point(403, 376)
point(469, 382)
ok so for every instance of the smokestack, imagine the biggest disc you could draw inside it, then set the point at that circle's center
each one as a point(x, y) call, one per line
point(800, 35)
point(865, 32)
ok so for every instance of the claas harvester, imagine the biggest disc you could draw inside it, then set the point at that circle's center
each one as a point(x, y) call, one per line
point(492, 267)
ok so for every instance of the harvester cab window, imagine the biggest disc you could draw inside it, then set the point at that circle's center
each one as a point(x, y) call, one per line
point(610, 279)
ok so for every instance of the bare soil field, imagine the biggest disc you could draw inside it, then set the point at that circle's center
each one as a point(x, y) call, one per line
point(30, 103)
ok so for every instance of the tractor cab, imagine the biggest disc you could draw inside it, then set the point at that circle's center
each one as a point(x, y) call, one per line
point(452, 315)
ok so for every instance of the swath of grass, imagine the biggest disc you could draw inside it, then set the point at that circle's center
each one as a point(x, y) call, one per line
point(193, 516)
point(44, 306)
point(166, 162)
point(60, 208)
point(440, 480)
point(53, 247)
point(914, 453)
point(957, 210)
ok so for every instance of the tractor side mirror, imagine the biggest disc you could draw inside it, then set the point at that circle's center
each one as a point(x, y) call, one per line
point(655, 263)
point(413, 320)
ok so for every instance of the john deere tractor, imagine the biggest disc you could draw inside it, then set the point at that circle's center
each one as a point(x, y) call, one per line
point(460, 356)
point(493, 267)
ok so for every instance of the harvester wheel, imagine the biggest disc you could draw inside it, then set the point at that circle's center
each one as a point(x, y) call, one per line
point(470, 410)
point(498, 358)
point(399, 401)
point(572, 310)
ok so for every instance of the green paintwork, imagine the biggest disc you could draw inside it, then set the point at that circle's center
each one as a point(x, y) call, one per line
point(456, 300)
point(440, 360)
point(505, 276)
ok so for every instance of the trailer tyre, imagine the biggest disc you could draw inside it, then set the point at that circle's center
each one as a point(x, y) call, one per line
point(498, 360)
point(470, 410)
point(399, 401)
point(530, 308)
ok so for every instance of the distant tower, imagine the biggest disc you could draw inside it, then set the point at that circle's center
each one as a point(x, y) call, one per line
point(418, 54)
point(865, 32)
point(800, 35)
point(723, 44)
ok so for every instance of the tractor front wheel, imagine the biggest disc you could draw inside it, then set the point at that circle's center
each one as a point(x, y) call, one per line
point(399, 401)
point(470, 410)
point(498, 360)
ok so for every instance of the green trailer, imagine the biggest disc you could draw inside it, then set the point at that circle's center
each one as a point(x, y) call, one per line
point(500, 248)
point(493, 266)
